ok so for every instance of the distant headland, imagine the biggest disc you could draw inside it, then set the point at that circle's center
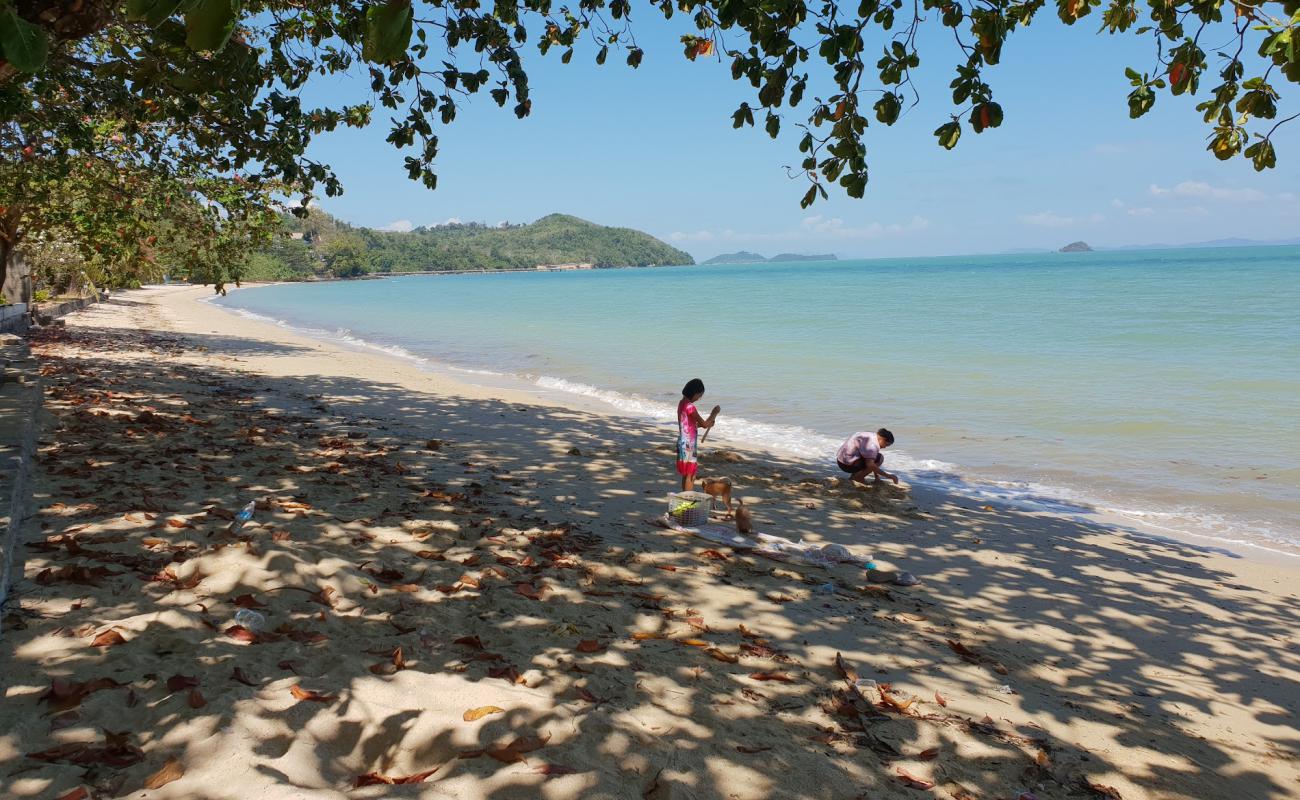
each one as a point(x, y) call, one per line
point(746, 257)
point(1076, 247)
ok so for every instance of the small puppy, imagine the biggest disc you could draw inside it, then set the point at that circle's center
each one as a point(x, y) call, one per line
point(744, 522)
point(720, 489)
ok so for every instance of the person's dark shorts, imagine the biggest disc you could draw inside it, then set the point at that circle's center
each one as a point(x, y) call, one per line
point(858, 464)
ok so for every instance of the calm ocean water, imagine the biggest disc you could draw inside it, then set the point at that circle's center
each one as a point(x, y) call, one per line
point(1162, 385)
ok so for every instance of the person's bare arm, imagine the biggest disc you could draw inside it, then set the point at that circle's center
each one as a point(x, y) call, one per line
point(878, 472)
point(701, 422)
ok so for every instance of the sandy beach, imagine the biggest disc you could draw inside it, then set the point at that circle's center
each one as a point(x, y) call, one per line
point(458, 593)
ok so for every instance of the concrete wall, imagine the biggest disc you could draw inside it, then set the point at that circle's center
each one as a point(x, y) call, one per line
point(20, 400)
point(13, 318)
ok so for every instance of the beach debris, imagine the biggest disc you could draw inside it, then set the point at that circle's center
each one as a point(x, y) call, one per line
point(239, 675)
point(196, 699)
point(310, 695)
point(929, 754)
point(722, 655)
point(475, 714)
point(250, 620)
point(940, 699)
point(906, 579)
point(108, 638)
point(64, 695)
point(116, 751)
point(589, 646)
point(897, 701)
point(179, 683)
point(751, 749)
point(972, 657)
point(551, 770)
point(391, 665)
point(530, 591)
point(642, 636)
point(1107, 792)
point(472, 642)
point(573, 451)
point(780, 677)
point(1005, 689)
point(86, 576)
point(377, 779)
point(513, 752)
point(78, 793)
point(246, 601)
point(508, 673)
point(914, 781)
point(241, 634)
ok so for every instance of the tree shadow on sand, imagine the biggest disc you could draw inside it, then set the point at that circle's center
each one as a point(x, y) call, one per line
point(625, 660)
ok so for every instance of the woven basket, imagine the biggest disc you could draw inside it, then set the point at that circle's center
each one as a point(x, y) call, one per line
point(689, 509)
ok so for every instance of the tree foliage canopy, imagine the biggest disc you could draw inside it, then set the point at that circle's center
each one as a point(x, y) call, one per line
point(212, 87)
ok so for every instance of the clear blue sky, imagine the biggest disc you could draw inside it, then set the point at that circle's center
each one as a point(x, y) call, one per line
point(654, 149)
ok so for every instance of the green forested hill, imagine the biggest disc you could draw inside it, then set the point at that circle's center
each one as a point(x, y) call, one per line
point(322, 246)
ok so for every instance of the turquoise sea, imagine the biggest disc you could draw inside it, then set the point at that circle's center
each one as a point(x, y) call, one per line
point(1161, 385)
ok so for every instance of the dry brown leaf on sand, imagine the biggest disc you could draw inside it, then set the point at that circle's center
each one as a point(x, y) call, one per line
point(178, 683)
point(78, 793)
point(530, 591)
point(514, 752)
point(928, 755)
point(940, 699)
point(888, 698)
point(247, 601)
point(846, 670)
point(325, 596)
point(914, 781)
point(550, 770)
point(641, 636)
point(589, 646)
point(749, 749)
point(722, 655)
point(242, 677)
point(170, 771)
point(507, 673)
point(63, 695)
point(772, 676)
point(1108, 792)
point(241, 634)
point(393, 664)
point(108, 638)
point(470, 641)
point(695, 643)
point(309, 694)
point(196, 699)
point(375, 779)
point(698, 624)
point(475, 714)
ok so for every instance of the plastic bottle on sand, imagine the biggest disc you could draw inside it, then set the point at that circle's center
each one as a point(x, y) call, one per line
point(245, 514)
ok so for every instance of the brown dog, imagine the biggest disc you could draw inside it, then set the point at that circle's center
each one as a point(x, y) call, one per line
point(720, 489)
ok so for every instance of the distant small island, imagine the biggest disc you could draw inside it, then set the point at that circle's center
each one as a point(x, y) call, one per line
point(1076, 247)
point(746, 257)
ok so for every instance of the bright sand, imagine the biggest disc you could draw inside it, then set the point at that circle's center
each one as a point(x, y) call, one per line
point(1088, 656)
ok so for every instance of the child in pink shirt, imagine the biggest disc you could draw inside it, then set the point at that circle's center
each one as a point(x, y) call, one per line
point(689, 423)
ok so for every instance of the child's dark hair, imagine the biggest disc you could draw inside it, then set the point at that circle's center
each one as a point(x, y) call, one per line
point(884, 433)
point(693, 387)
